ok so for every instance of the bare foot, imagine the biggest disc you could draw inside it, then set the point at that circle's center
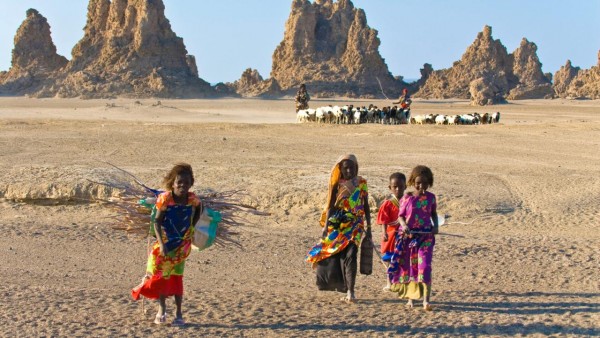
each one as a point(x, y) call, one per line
point(409, 304)
point(160, 319)
point(350, 298)
point(427, 306)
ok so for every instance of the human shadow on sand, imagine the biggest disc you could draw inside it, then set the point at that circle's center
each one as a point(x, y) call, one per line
point(570, 303)
point(520, 308)
point(471, 329)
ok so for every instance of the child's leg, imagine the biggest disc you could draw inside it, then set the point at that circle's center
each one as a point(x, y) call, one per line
point(178, 302)
point(161, 316)
point(425, 259)
point(162, 305)
point(426, 296)
point(388, 284)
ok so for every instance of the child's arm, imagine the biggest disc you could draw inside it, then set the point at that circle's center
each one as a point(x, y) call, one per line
point(159, 220)
point(382, 218)
point(197, 213)
point(403, 226)
point(434, 218)
point(385, 235)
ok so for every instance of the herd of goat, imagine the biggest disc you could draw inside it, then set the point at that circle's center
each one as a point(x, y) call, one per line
point(388, 115)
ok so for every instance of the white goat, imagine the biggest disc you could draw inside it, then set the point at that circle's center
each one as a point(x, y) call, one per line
point(356, 116)
point(454, 119)
point(419, 119)
point(301, 116)
point(320, 114)
point(441, 119)
point(496, 117)
point(337, 114)
point(467, 119)
point(312, 114)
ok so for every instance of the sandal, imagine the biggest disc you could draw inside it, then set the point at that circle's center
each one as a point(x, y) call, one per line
point(427, 307)
point(178, 322)
point(160, 319)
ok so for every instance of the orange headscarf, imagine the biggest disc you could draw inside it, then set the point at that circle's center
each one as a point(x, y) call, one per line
point(336, 175)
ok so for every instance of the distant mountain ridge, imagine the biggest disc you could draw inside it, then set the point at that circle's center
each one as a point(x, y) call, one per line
point(129, 50)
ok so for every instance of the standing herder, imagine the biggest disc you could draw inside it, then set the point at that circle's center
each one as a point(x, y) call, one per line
point(404, 101)
point(302, 98)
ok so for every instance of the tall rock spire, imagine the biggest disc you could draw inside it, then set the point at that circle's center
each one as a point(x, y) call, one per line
point(585, 83)
point(484, 58)
point(34, 56)
point(486, 67)
point(129, 49)
point(533, 83)
point(329, 46)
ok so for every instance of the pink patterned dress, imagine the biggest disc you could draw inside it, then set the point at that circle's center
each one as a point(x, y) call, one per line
point(410, 265)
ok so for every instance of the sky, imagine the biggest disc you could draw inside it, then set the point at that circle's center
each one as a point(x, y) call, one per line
point(228, 36)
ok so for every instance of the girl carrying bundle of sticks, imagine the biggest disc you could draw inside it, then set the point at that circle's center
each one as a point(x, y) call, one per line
point(177, 212)
point(180, 220)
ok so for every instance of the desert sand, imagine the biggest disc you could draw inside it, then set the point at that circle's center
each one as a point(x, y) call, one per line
point(523, 193)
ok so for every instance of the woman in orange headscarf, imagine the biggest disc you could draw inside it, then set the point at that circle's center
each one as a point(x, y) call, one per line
point(343, 221)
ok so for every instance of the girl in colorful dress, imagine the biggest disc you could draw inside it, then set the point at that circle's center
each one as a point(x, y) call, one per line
point(388, 218)
point(177, 211)
point(410, 265)
point(343, 222)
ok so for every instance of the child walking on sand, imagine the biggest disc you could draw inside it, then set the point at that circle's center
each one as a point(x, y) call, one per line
point(410, 265)
point(388, 218)
point(177, 211)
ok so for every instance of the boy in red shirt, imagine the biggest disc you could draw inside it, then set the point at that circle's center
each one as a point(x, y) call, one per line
point(388, 217)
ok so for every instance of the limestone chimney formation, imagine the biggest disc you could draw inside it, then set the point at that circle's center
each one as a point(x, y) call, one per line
point(129, 49)
point(527, 68)
point(488, 74)
point(329, 47)
point(34, 56)
point(575, 83)
point(563, 78)
point(485, 58)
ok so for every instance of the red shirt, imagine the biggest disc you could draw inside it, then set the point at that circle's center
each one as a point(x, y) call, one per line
point(388, 213)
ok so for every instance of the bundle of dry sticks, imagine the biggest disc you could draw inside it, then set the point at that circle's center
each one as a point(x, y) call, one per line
point(134, 216)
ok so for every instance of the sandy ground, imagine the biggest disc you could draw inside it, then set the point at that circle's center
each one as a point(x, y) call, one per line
point(524, 193)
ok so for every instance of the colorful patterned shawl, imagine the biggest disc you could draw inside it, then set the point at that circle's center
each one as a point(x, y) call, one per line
point(347, 224)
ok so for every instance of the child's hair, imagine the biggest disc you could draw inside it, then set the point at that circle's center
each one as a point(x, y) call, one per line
point(178, 169)
point(420, 170)
point(398, 177)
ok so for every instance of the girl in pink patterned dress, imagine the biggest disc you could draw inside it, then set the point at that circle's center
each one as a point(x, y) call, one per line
point(410, 266)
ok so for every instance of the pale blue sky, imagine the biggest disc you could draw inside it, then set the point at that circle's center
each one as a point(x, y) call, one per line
point(228, 36)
